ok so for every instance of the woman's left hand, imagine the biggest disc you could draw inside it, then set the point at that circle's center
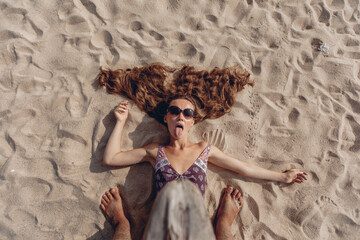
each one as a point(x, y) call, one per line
point(294, 176)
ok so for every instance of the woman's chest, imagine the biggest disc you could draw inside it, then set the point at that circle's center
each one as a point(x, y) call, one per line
point(182, 161)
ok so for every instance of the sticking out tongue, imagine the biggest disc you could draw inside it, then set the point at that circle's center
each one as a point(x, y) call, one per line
point(178, 131)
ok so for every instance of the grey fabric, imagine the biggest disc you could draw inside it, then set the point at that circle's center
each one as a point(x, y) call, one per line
point(179, 213)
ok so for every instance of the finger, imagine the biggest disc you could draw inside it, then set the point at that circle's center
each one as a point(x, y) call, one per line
point(123, 109)
point(302, 177)
point(302, 172)
point(297, 181)
point(123, 104)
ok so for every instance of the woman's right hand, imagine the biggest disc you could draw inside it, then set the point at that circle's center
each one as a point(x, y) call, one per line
point(122, 111)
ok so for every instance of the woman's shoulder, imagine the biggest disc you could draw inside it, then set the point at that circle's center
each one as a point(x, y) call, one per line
point(152, 148)
point(202, 144)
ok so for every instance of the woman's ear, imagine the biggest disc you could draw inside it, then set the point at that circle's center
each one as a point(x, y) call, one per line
point(165, 119)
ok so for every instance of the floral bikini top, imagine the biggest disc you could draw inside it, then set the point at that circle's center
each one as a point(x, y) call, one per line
point(196, 173)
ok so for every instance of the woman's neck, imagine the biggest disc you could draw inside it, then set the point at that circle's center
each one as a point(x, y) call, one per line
point(179, 143)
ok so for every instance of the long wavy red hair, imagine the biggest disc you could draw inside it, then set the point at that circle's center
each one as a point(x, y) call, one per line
point(152, 88)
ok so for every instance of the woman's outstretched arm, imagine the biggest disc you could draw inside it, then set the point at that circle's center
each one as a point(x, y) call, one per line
point(250, 170)
point(113, 155)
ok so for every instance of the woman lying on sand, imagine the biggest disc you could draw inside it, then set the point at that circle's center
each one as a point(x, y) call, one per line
point(192, 97)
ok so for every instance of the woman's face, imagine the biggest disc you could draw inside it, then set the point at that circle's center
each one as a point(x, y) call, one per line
point(179, 124)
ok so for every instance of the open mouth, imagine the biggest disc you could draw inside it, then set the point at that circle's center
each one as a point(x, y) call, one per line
point(179, 128)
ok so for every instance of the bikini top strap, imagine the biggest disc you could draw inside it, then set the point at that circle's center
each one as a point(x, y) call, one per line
point(205, 153)
point(160, 154)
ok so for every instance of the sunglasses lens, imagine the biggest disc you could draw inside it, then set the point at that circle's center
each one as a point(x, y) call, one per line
point(174, 110)
point(188, 112)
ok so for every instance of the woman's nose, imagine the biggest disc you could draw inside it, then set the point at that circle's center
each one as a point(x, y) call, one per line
point(181, 116)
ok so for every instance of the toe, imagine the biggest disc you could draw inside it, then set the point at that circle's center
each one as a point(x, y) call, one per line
point(238, 195)
point(104, 202)
point(234, 193)
point(229, 189)
point(110, 196)
point(115, 193)
point(102, 206)
point(240, 201)
point(105, 198)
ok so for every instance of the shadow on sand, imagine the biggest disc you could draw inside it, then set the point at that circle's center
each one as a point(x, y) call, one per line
point(138, 191)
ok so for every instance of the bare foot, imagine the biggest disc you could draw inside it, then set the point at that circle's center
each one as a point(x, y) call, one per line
point(113, 209)
point(229, 208)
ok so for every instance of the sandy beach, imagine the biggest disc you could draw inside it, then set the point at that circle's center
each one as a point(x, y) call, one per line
point(303, 112)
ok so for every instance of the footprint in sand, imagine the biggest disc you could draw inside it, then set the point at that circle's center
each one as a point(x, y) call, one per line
point(334, 224)
point(104, 40)
point(221, 57)
point(323, 13)
point(21, 117)
point(179, 36)
point(253, 206)
point(313, 218)
point(350, 135)
point(212, 18)
point(351, 42)
point(186, 50)
point(21, 216)
point(306, 61)
point(32, 190)
point(262, 231)
point(325, 105)
point(65, 10)
point(91, 8)
point(7, 149)
point(136, 26)
point(76, 24)
point(294, 116)
point(357, 29)
point(33, 26)
point(312, 223)
point(36, 72)
point(14, 14)
point(256, 67)
point(337, 4)
point(339, 226)
point(77, 106)
point(156, 35)
point(7, 35)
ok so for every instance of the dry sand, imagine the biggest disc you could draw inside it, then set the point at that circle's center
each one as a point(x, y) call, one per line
point(303, 112)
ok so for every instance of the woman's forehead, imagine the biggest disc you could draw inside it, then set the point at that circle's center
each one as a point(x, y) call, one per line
point(181, 103)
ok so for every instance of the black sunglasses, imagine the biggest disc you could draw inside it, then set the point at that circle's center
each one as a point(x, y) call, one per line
point(174, 110)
